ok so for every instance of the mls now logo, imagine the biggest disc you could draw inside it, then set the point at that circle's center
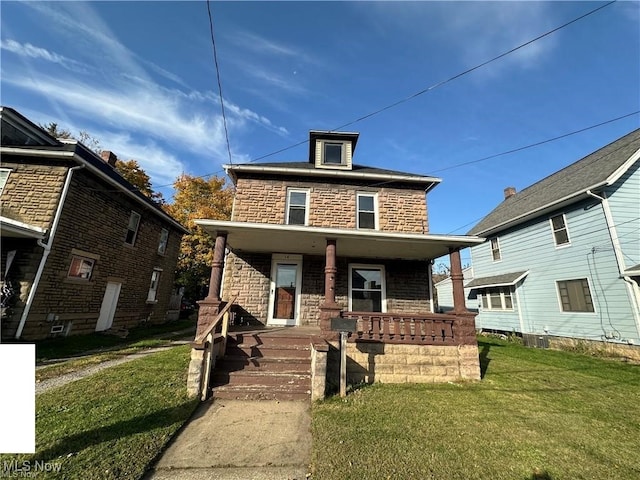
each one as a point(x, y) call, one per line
point(16, 469)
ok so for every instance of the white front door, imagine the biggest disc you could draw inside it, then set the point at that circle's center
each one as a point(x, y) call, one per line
point(108, 308)
point(284, 291)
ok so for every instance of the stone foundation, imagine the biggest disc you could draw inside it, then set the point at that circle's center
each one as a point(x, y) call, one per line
point(396, 363)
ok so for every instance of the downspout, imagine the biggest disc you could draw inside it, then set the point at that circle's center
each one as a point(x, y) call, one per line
point(47, 250)
point(430, 277)
point(619, 257)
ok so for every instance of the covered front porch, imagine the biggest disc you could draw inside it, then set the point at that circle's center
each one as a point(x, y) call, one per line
point(381, 280)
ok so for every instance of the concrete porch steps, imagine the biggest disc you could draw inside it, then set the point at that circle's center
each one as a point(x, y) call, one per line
point(269, 364)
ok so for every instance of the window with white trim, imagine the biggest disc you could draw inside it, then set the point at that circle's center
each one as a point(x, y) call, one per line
point(153, 287)
point(132, 228)
point(495, 298)
point(333, 153)
point(367, 288)
point(297, 206)
point(164, 239)
point(81, 267)
point(559, 228)
point(367, 205)
point(4, 175)
point(575, 295)
point(495, 249)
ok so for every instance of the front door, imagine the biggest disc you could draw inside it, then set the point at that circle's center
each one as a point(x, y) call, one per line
point(108, 308)
point(284, 293)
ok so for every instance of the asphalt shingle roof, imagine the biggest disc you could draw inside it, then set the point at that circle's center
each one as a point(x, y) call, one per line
point(574, 179)
point(503, 279)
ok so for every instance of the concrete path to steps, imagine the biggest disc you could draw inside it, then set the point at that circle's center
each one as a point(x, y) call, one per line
point(240, 440)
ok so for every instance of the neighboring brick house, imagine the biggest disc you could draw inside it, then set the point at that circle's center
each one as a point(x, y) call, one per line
point(327, 238)
point(82, 249)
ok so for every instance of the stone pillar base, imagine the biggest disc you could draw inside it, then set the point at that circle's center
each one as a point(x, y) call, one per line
point(207, 313)
point(319, 351)
point(327, 312)
point(194, 378)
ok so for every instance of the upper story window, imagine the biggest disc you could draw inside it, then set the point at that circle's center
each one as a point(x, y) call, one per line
point(4, 175)
point(496, 298)
point(132, 228)
point(495, 249)
point(297, 206)
point(559, 228)
point(164, 239)
point(575, 295)
point(81, 267)
point(367, 204)
point(333, 153)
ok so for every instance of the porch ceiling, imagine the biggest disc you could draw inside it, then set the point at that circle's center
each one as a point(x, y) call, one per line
point(15, 229)
point(269, 238)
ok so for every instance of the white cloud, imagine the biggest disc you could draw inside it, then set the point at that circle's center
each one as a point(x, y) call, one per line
point(30, 51)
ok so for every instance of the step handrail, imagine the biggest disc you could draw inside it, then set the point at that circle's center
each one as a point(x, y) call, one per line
point(222, 315)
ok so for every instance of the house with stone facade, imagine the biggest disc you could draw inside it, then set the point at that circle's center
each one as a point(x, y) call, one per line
point(327, 241)
point(82, 249)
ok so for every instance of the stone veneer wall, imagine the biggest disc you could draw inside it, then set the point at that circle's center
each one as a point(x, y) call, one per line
point(332, 205)
point(248, 276)
point(396, 363)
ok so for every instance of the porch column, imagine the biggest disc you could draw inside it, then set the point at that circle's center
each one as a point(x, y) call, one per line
point(329, 309)
point(209, 307)
point(457, 282)
point(215, 282)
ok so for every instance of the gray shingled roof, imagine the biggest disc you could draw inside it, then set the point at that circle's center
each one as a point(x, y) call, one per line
point(496, 280)
point(354, 168)
point(592, 170)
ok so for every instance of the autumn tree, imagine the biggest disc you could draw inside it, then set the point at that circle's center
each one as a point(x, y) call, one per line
point(135, 175)
point(83, 136)
point(194, 198)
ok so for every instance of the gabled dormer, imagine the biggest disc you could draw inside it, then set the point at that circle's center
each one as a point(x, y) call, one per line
point(332, 150)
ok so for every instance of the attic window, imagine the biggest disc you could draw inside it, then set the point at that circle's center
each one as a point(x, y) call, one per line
point(332, 153)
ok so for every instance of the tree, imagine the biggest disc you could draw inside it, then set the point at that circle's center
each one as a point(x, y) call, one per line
point(194, 198)
point(135, 175)
point(83, 136)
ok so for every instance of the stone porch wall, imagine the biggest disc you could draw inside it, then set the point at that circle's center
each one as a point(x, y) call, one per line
point(331, 205)
point(396, 363)
point(248, 276)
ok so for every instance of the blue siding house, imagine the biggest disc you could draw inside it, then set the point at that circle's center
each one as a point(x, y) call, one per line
point(562, 257)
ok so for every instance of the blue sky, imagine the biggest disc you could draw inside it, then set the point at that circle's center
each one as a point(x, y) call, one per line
point(140, 77)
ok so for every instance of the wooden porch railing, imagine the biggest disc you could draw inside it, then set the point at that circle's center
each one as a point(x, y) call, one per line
point(414, 329)
point(214, 334)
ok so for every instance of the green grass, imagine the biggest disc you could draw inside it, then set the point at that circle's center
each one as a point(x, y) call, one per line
point(537, 414)
point(113, 424)
point(74, 345)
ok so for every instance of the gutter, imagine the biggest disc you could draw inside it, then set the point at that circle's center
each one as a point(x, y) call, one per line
point(75, 156)
point(617, 250)
point(46, 252)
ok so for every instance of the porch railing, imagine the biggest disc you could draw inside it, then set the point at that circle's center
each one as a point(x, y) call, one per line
point(415, 329)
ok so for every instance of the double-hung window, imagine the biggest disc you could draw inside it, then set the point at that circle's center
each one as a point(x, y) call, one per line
point(132, 228)
point(495, 249)
point(164, 239)
point(153, 287)
point(559, 228)
point(367, 204)
point(297, 206)
point(575, 295)
point(367, 288)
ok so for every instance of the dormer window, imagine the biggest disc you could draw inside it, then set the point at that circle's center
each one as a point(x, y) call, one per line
point(333, 153)
point(332, 150)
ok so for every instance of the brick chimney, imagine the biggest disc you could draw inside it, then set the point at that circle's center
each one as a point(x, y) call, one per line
point(109, 157)
point(509, 192)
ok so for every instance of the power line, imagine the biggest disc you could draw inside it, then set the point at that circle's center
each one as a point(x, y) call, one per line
point(215, 59)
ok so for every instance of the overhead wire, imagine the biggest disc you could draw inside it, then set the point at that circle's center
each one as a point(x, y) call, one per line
point(215, 59)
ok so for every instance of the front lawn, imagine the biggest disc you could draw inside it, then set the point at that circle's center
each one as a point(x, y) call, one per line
point(537, 414)
point(111, 425)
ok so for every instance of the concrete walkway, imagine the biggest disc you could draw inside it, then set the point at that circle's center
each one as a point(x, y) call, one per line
point(240, 440)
